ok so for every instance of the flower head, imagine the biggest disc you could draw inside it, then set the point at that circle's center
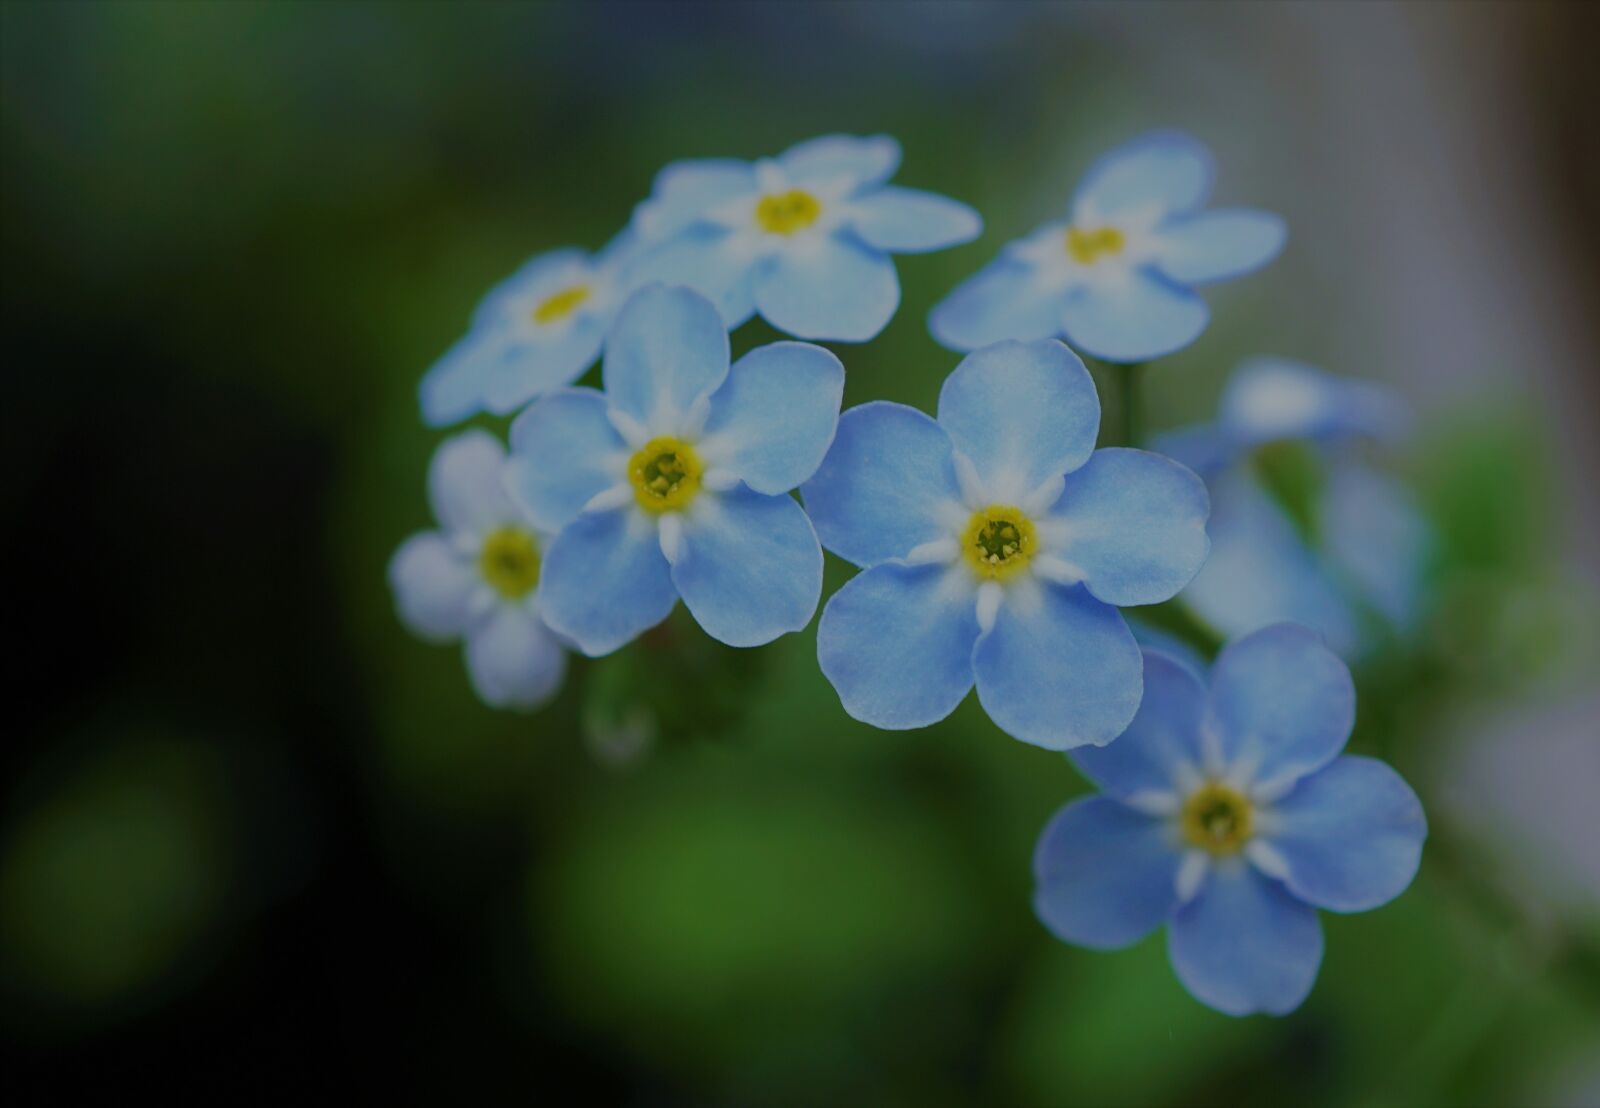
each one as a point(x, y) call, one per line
point(536, 331)
point(674, 482)
point(476, 577)
point(1229, 814)
point(803, 238)
point(1117, 276)
point(995, 543)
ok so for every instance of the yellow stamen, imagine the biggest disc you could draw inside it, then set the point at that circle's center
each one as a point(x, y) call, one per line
point(509, 561)
point(998, 541)
point(784, 213)
point(1216, 817)
point(1088, 247)
point(561, 305)
point(665, 474)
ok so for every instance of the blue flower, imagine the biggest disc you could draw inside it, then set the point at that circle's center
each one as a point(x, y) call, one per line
point(476, 577)
point(995, 543)
point(536, 331)
point(1116, 277)
point(1230, 815)
point(674, 481)
point(803, 238)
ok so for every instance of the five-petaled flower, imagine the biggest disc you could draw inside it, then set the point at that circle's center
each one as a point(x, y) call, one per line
point(675, 481)
point(1116, 277)
point(803, 238)
point(1230, 815)
point(476, 577)
point(995, 543)
point(537, 330)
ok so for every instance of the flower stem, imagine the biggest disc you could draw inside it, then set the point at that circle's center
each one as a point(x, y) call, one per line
point(1128, 379)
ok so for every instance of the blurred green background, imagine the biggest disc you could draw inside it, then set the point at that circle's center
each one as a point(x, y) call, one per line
point(257, 841)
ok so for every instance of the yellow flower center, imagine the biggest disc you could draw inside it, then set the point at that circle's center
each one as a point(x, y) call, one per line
point(1088, 247)
point(509, 561)
point(665, 474)
point(1216, 817)
point(998, 541)
point(561, 305)
point(784, 213)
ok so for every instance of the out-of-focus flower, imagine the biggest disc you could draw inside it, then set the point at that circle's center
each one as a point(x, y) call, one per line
point(996, 543)
point(1116, 277)
point(475, 578)
point(538, 330)
point(804, 238)
point(675, 480)
point(1230, 815)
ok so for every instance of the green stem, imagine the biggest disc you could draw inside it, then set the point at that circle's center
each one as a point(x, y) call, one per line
point(1132, 403)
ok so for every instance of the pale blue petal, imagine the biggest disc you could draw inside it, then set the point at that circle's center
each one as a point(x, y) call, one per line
point(1164, 735)
point(433, 586)
point(1059, 669)
point(514, 661)
point(553, 269)
point(878, 491)
point(466, 483)
point(563, 451)
point(529, 369)
point(1004, 300)
point(1105, 875)
point(1222, 243)
point(1136, 525)
point(1134, 320)
point(896, 643)
point(453, 388)
point(751, 567)
point(865, 161)
point(1162, 172)
point(604, 580)
point(707, 260)
point(685, 191)
point(667, 349)
point(1376, 536)
point(1201, 446)
point(1245, 944)
point(1150, 637)
point(1023, 413)
point(909, 221)
point(1352, 835)
point(836, 288)
point(1270, 399)
point(1282, 701)
point(773, 419)
point(624, 245)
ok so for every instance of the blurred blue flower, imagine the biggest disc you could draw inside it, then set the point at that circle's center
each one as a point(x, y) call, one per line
point(1116, 277)
point(803, 238)
point(675, 481)
point(996, 543)
point(475, 578)
point(537, 330)
point(1230, 815)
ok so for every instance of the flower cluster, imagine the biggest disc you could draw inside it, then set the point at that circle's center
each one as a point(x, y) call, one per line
point(996, 544)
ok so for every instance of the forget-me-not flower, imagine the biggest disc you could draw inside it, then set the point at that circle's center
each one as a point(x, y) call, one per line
point(1117, 276)
point(804, 238)
point(475, 578)
point(675, 481)
point(537, 330)
point(995, 544)
point(1230, 815)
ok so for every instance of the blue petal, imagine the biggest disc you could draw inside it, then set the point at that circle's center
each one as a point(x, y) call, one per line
point(1150, 637)
point(530, 368)
point(1352, 835)
point(667, 349)
point(563, 451)
point(604, 580)
point(865, 161)
point(514, 662)
point(907, 221)
point(1165, 172)
point(685, 191)
point(1260, 572)
point(1059, 669)
point(466, 483)
point(1106, 875)
point(707, 260)
point(553, 269)
point(1023, 413)
point(1136, 525)
point(1200, 446)
point(896, 643)
point(772, 420)
point(1164, 735)
point(1244, 944)
point(1282, 701)
point(433, 586)
point(453, 387)
point(1375, 535)
point(1268, 399)
point(878, 491)
point(751, 569)
point(833, 288)
point(1003, 300)
point(1216, 245)
point(1144, 317)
